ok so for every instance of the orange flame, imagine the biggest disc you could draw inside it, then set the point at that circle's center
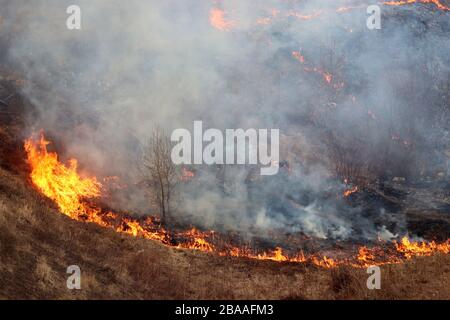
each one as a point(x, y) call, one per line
point(416, 249)
point(60, 183)
point(71, 193)
point(217, 17)
point(350, 191)
point(218, 20)
point(187, 174)
point(437, 3)
point(304, 16)
point(297, 55)
point(325, 262)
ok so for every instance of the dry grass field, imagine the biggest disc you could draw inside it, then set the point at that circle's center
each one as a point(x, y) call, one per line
point(37, 244)
point(340, 85)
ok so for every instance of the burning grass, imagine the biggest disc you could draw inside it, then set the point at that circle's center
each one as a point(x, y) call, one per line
point(37, 244)
point(218, 20)
point(59, 182)
point(33, 264)
point(117, 260)
point(71, 193)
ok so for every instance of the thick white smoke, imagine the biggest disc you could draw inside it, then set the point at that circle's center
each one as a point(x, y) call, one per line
point(138, 64)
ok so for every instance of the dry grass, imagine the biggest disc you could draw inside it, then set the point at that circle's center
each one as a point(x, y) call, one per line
point(37, 244)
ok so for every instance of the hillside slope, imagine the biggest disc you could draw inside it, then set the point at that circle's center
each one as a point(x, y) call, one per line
point(37, 244)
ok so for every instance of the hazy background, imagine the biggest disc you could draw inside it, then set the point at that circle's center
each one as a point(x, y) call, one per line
point(139, 64)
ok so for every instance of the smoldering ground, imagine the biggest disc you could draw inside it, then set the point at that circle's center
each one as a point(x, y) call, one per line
point(359, 104)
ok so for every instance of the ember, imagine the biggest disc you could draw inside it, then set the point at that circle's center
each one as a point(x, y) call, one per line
point(71, 193)
point(218, 20)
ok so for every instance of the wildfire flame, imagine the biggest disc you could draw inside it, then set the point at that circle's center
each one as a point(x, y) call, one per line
point(187, 174)
point(350, 191)
point(304, 16)
point(327, 76)
point(58, 182)
point(298, 55)
point(437, 3)
point(74, 195)
point(217, 17)
point(218, 20)
point(414, 249)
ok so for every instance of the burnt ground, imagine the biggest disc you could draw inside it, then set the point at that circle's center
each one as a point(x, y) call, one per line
point(37, 244)
point(422, 205)
point(427, 209)
point(419, 209)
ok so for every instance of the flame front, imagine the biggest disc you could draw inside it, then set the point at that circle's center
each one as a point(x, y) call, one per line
point(350, 191)
point(74, 195)
point(58, 182)
point(217, 19)
point(437, 3)
point(414, 249)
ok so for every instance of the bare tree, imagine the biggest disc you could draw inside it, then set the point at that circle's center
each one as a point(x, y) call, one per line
point(160, 172)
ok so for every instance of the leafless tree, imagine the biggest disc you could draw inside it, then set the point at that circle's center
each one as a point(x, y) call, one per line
point(160, 173)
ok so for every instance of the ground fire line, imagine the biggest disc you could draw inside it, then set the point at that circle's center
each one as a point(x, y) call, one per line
point(74, 197)
point(219, 19)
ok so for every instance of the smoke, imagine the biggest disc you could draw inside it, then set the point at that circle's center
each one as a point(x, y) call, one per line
point(140, 64)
